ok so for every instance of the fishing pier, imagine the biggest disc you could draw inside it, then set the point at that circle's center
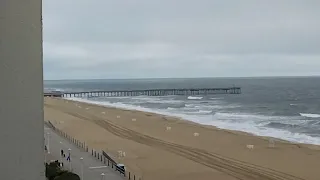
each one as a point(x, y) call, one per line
point(150, 92)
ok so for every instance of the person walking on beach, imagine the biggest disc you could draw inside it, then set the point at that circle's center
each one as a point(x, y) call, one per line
point(69, 158)
point(62, 153)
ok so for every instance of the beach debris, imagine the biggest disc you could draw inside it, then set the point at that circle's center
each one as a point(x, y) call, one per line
point(195, 134)
point(134, 119)
point(250, 146)
point(271, 143)
point(121, 154)
point(118, 117)
point(103, 112)
point(168, 128)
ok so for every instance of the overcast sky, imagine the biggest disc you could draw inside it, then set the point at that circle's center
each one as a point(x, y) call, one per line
point(109, 39)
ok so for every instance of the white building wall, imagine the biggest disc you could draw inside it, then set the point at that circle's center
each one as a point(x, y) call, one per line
point(21, 88)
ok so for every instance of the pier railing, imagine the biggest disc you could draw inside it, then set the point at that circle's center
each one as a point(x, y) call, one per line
point(99, 155)
point(155, 92)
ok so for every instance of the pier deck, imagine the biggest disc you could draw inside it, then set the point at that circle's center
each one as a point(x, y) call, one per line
point(154, 92)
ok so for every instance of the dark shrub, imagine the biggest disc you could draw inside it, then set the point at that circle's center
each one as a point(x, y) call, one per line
point(52, 170)
point(65, 175)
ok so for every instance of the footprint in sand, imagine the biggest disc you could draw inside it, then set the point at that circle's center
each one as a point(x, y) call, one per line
point(196, 134)
point(87, 108)
point(103, 112)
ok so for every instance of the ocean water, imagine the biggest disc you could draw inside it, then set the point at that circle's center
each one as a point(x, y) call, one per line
point(286, 108)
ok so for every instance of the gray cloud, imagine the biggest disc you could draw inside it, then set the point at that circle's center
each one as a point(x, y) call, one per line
point(181, 38)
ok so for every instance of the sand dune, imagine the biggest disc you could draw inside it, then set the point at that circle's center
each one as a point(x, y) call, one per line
point(186, 150)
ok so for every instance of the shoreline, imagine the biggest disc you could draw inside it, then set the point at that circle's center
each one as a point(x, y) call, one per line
point(177, 118)
point(146, 155)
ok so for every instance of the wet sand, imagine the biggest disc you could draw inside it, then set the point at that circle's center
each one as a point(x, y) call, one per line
point(160, 147)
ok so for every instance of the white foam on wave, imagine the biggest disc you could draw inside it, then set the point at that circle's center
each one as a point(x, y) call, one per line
point(170, 108)
point(243, 116)
point(194, 112)
point(232, 121)
point(145, 98)
point(310, 115)
point(217, 98)
point(216, 106)
point(205, 112)
point(257, 119)
point(195, 97)
point(202, 106)
point(149, 99)
point(165, 101)
point(123, 106)
point(115, 97)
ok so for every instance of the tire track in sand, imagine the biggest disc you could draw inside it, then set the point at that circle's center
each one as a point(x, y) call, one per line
point(232, 167)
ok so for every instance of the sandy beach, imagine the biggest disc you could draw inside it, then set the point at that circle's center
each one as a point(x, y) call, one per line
point(166, 148)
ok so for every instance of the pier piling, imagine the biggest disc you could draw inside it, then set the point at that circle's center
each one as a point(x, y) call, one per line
point(150, 92)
